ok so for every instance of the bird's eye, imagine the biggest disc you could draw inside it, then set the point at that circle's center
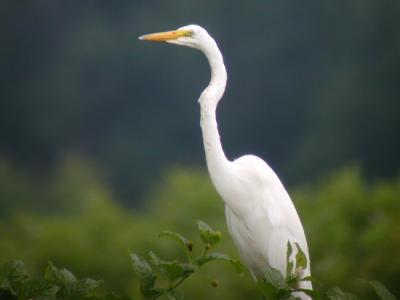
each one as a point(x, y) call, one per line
point(189, 33)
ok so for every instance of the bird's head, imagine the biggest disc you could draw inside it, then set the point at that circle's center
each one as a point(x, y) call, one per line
point(192, 36)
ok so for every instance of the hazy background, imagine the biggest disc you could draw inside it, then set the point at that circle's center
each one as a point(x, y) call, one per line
point(93, 121)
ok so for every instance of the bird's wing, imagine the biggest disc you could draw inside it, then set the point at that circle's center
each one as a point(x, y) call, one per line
point(273, 219)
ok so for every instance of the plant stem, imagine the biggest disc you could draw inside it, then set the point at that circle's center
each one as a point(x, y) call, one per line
point(171, 288)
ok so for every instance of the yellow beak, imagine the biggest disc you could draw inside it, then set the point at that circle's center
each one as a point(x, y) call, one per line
point(165, 36)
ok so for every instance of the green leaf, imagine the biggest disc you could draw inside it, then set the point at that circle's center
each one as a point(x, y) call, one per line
point(381, 291)
point(143, 270)
point(220, 256)
point(301, 259)
point(174, 295)
point(182, 241)
point(38, 289)
point(155, 259)
point(146, 276)
point(70, 287)
point(14, 270)
point(337, 294)
point(274, 277)
point(82, 287)
point(268, 289)
point(172, 270)
point(209, 236)
point(58, 276)
point(12, 273)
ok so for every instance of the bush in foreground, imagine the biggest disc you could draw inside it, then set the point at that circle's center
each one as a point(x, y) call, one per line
point(159, 277)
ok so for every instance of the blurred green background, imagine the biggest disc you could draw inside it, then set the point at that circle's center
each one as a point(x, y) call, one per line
point(101, 149)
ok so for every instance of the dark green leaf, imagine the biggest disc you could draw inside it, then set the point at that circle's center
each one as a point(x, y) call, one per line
point(146, 276)
point(183, 242)
point(274, 277)
point(70, 287)
point(143, 270)
point(382, 291)
point(289, 270)
point(11, 274)
point(83, 287)
point(301, 259)
point(58, 276)
point(267, 289)
point(209, 236)
point(155, 259)
point(174, 270)
point(171, 270)
point(38, 289)
point(292, 281)
point(220, 256)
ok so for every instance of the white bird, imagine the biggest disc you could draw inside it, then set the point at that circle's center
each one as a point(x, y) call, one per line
point(260, 215)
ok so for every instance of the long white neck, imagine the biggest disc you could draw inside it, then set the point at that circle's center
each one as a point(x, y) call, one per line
point(217, 162)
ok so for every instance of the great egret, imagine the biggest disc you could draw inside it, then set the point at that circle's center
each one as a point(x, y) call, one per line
point(261, 217)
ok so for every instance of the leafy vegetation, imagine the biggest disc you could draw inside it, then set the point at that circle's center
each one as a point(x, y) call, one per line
point(15, 283)
point(276, 286)
point(175, 272)
point(61, 284)
point(352, 228)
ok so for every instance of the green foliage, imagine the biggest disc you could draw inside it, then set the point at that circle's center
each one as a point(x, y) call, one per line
point(182, 241)
point(301, 260)
point(70, 287)
point(56, 284)
point(208, 235)
point(274, 286)
point(352, 230)
point(37, 289)
point(146, 277)
point(11, 273)
point(61, 284)
point(174, 271)
point(351, 225)
point(238, 266)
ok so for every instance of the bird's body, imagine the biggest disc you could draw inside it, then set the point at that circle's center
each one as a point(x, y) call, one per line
point(260, 215)
point(269, 221)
